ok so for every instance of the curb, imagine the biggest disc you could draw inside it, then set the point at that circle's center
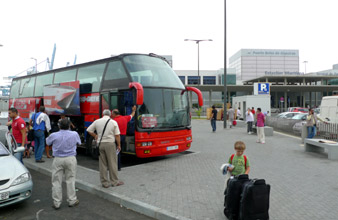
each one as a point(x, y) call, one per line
point(129, 203)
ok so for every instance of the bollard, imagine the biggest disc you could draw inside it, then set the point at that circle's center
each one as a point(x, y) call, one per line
point(304, 133)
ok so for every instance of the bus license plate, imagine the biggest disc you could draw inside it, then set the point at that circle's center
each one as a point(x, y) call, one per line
point(172, 147)
point(4, 195)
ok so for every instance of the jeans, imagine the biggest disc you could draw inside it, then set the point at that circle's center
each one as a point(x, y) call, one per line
point(213, 124)
point(19, 155)
point(249, 126)
point(311, 131)
point(123, 146)
point(39, 140)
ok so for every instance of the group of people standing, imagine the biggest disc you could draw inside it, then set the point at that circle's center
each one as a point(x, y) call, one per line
point(109, 132)
point(251, 117)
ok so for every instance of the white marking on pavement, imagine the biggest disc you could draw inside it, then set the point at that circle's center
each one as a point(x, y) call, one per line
point(288, 135)
point(38, 213)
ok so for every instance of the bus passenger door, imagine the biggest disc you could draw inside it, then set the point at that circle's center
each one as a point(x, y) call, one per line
point(117, 101)
point(104, 102)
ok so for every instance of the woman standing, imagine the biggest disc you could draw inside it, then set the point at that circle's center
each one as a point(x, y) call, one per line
point(260, 126)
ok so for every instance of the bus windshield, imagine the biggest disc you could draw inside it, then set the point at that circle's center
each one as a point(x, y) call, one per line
point(152, 71)
point(163, 108)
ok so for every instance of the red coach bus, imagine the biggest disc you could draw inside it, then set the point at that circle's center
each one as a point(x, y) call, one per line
point(162, 123)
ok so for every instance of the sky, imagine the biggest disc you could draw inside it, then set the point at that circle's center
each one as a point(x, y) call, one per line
point(94, 30)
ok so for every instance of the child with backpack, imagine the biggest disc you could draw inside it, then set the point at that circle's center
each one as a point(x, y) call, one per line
point(240, 162)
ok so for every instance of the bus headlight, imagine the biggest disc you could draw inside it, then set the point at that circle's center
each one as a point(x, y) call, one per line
point(189, 138)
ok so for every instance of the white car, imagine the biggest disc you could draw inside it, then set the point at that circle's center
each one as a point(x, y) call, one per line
point(287, 115)
point(15, 180)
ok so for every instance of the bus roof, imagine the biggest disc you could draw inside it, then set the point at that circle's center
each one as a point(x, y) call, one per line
point(117, 57)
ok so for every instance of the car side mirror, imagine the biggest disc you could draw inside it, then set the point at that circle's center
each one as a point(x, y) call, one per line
point(19, 149)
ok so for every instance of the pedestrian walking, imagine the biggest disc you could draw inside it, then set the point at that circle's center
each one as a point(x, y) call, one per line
point(41, 123)
point(311, 123)
point(18, 130)
point(107, 147)
point(260, 126)
point(64, 144)
point(213, 118)
point(231, 115)
point(239, 113)
point(249, 120)
point(122, 122)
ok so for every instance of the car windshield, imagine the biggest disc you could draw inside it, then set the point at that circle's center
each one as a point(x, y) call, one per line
point(164, 108)
point(299, 116)
point(303, 109)
point(3, 150)
point(290, 115)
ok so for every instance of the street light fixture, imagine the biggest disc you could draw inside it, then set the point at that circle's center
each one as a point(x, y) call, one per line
point(305, 62)
point(36, 64)
point(198, 56)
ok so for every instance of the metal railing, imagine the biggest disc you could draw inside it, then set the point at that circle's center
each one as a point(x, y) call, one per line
point(327, 131)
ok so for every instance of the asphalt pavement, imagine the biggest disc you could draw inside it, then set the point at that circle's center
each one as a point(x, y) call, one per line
point(190, 186)
point(38, 207)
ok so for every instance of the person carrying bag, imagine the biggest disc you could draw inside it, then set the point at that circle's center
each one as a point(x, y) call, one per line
point(108, 132)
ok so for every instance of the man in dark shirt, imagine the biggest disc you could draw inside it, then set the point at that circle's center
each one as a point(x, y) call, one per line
point(213, 118)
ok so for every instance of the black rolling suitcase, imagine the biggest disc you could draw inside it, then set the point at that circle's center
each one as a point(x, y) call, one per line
point(232, 196)
point(255, 198)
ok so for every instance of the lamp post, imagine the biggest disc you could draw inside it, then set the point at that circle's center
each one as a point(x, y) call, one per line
point(198, 56)
point(36, 64)
point(305, 62)
point(225, 67)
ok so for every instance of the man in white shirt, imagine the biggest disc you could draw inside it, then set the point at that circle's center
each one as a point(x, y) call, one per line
point(249, 120)
point(107, 149)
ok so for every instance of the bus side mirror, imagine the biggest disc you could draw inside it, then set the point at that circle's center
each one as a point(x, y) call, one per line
point(139, 92)
point(198, 93)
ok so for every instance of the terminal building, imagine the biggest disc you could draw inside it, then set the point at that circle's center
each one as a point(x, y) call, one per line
point(280, 68)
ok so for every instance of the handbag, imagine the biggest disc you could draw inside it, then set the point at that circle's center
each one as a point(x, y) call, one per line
point(234, 123)
point(98, 144)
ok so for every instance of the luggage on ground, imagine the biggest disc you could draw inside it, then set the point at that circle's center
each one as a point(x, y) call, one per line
point(232, 196)
point(254, 203)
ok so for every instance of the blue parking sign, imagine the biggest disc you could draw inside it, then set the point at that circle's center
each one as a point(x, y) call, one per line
point(263, 88)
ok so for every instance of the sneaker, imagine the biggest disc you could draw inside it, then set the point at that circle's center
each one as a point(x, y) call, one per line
point(77, 202)
point(262, 142)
